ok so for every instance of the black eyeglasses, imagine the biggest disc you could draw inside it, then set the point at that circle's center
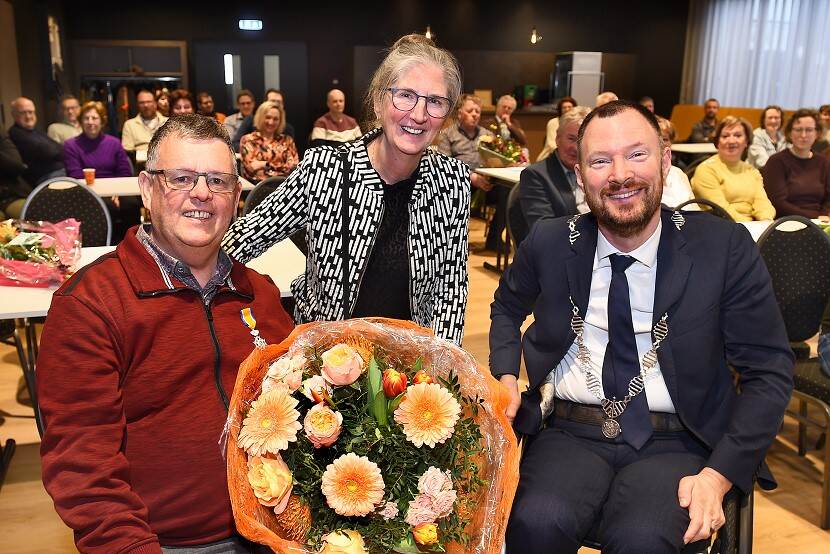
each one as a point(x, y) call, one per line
point(405, 100)
point(185, 179)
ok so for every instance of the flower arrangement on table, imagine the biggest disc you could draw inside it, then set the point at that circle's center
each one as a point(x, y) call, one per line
point(38, 253)
point(496, 151)
point(369, 436)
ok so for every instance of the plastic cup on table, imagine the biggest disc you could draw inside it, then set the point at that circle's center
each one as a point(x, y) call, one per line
point(89, 175)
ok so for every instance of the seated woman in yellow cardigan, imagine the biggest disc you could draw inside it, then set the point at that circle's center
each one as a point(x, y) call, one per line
point(730, 182)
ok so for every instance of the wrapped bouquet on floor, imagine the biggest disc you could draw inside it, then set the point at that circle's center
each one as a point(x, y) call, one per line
point(369, 435)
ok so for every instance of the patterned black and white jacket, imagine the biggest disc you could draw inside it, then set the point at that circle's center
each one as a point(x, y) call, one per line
point(311, 198)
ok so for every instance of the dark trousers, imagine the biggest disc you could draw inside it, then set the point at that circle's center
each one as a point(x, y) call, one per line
point(574, 480)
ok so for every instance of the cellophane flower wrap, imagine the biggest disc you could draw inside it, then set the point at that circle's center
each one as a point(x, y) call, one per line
point(38, 253)
point(369, 435)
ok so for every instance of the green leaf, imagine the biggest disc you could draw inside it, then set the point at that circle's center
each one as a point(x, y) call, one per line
point(395, 402)
point(375, 378)
point(407, 546)
point(419, 364)
point(379, 409)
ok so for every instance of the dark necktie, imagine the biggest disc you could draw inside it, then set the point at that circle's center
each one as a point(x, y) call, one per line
point(622, 363)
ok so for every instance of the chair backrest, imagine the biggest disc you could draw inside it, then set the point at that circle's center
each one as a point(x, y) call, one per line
point(714, 209)
point(61, 198)
point(263, 189)
point(692, 167)
point(798, 259)
point(516, 224)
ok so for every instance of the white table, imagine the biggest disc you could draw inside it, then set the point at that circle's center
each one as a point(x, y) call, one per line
point(128, 186)
point(757, 228)
point(694, 148)
point(507, 174)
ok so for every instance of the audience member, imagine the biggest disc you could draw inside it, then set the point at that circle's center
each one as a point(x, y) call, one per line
point(43, 156)
point(549, 188)
point(504, 123)
point(768, 138)
point(730, 182)
point(268, 152)
point(676, 187)
point(138, 131)
point(69, 127)
point(245, 104)
point(334, 126)
point(181, 102)
point(604, 98)
point(647, 102)
point(206, 107)
point(562, 108)
point(163, 101)
point(797, 180)
point(247, 126)
point(407, 210)
point(129, 453)
point(13, 189)
point(95, 149)
point(822, 145)
point(643, 452)
point(461, 141)
point(704, 130)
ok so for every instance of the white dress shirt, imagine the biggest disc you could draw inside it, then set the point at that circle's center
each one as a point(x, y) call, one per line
point(569, 380)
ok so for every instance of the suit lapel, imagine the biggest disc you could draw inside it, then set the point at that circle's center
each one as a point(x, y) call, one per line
point(581, 264)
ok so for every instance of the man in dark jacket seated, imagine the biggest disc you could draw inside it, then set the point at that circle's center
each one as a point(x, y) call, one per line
point(43, 156)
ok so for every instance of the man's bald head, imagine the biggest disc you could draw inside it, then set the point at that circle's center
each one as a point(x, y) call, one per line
point(336, 102)
point(23, 112)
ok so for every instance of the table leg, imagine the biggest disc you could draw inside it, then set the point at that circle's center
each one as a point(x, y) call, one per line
point(25, 340)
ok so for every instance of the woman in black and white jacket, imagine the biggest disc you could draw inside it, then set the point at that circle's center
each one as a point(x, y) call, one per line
point(407, 208)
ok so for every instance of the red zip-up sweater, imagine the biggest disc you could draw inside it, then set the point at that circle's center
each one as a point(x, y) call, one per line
point(128, 390)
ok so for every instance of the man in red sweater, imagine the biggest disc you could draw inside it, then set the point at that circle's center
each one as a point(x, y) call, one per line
point(139, 356)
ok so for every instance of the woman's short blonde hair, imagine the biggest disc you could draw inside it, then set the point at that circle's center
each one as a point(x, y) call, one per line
point(731, 121)
point(98, 107)
point(408, 52)
point(262, 110)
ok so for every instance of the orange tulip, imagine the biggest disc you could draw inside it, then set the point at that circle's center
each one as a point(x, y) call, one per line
point(422, 377)
point(394, 383)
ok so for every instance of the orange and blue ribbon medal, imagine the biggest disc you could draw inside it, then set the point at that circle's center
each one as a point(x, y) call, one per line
point(249, 320)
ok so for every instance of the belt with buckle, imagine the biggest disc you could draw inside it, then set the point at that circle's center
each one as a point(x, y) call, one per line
point(593, 415)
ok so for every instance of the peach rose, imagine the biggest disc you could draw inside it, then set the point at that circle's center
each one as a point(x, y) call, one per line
point(271, 480)
point(434, 481)
point(420, 511)
point(442, 503)
point(342, 365)
point(316, 389)
point(425, 533)
point(322, 425)
point(389, 510)
point(346, 541)
point(285, 370)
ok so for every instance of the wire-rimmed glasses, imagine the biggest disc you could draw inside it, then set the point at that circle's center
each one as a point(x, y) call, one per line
point(185, 179)
point(405, 100)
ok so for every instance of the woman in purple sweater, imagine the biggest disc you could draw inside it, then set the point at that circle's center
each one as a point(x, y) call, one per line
point(797, 180)
point(94, 148)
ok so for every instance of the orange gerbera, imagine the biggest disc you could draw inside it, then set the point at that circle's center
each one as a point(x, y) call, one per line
point(428, 414)
point(353, 485)
point(271, 423)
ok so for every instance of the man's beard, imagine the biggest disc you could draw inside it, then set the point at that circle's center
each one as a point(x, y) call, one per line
point(632, 221)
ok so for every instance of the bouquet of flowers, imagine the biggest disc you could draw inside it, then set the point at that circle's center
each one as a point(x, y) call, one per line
point(38, 253)
point(369, 436)
point(496, 151)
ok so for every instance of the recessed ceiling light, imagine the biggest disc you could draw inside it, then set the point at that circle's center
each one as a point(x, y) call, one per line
point(250, 24)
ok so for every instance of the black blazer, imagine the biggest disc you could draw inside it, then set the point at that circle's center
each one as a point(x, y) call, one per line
point(721, 310)
point(544, 191)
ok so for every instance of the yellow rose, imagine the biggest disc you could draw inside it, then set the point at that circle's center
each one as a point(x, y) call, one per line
point(271, 480)
point(426, 533)
point(322, 425)
point(342, 365)
point(346, 541)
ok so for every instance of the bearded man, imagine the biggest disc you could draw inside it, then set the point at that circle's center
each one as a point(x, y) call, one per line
point(634, 426)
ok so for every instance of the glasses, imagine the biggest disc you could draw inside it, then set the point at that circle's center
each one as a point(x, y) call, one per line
point(804, 130)
point(184, 179)
point(405, 100)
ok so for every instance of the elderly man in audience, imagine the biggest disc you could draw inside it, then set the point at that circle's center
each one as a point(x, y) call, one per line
point(138, 131)
point(245, 103)
point(605, 97)
point(768, 138)
point(334, 126)
point(504, 123)
point(43, 156)
point(206, 107)
point(640, 319)
point(69, 127)
point(461, 141)
point(562, 107)
point(129, 453)
point(704, 130)
point(13, 189)
point(549, 188)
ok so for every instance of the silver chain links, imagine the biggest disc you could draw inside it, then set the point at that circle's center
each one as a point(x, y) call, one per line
point(614, 408)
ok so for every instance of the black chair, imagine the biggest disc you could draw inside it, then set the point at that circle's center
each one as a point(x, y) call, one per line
point(692, 166)
point(259, 193)
point(61, 198)
point(516, 224)
point(798, 260)
point(714, 209)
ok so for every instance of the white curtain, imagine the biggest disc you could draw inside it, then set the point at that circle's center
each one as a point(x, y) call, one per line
point(752, 53)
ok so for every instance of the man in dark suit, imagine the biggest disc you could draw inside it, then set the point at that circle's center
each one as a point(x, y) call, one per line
point(549, 188)
point(635, 423)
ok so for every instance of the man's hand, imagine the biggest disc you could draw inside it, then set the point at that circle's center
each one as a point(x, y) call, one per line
point(480, 181)
point(512, 385)
point(702, 495)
